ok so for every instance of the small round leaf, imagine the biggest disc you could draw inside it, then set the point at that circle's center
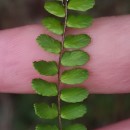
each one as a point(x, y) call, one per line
point(73, 111)
point(74, 94)
point(44, 111)
point(74, 58)
point(46, 127)
point(55, 8)
point(46, 68)
point(54, 25)
point(77, 41)
point(81, 5)
point(74, 76)
point(44, 88)
point(49, 44)
point(75, 127)
point(79, 21)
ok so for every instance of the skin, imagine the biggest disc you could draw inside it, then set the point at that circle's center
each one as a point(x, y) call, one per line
point(109, 67)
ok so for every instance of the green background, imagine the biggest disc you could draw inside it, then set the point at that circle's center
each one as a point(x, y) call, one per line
point(16, 111)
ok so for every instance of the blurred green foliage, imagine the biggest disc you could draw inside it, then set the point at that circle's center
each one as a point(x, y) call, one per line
point(16, 111)
point(22, 12)
point(102, 110)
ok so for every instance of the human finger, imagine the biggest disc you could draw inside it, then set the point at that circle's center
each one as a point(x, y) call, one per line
point(123, 125)
point(109, 66)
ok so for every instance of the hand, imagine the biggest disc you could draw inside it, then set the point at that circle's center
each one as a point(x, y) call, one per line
point(109, 66)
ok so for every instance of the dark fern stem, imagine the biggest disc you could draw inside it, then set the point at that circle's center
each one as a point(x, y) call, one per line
point(71, 56)
point(64, 2)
